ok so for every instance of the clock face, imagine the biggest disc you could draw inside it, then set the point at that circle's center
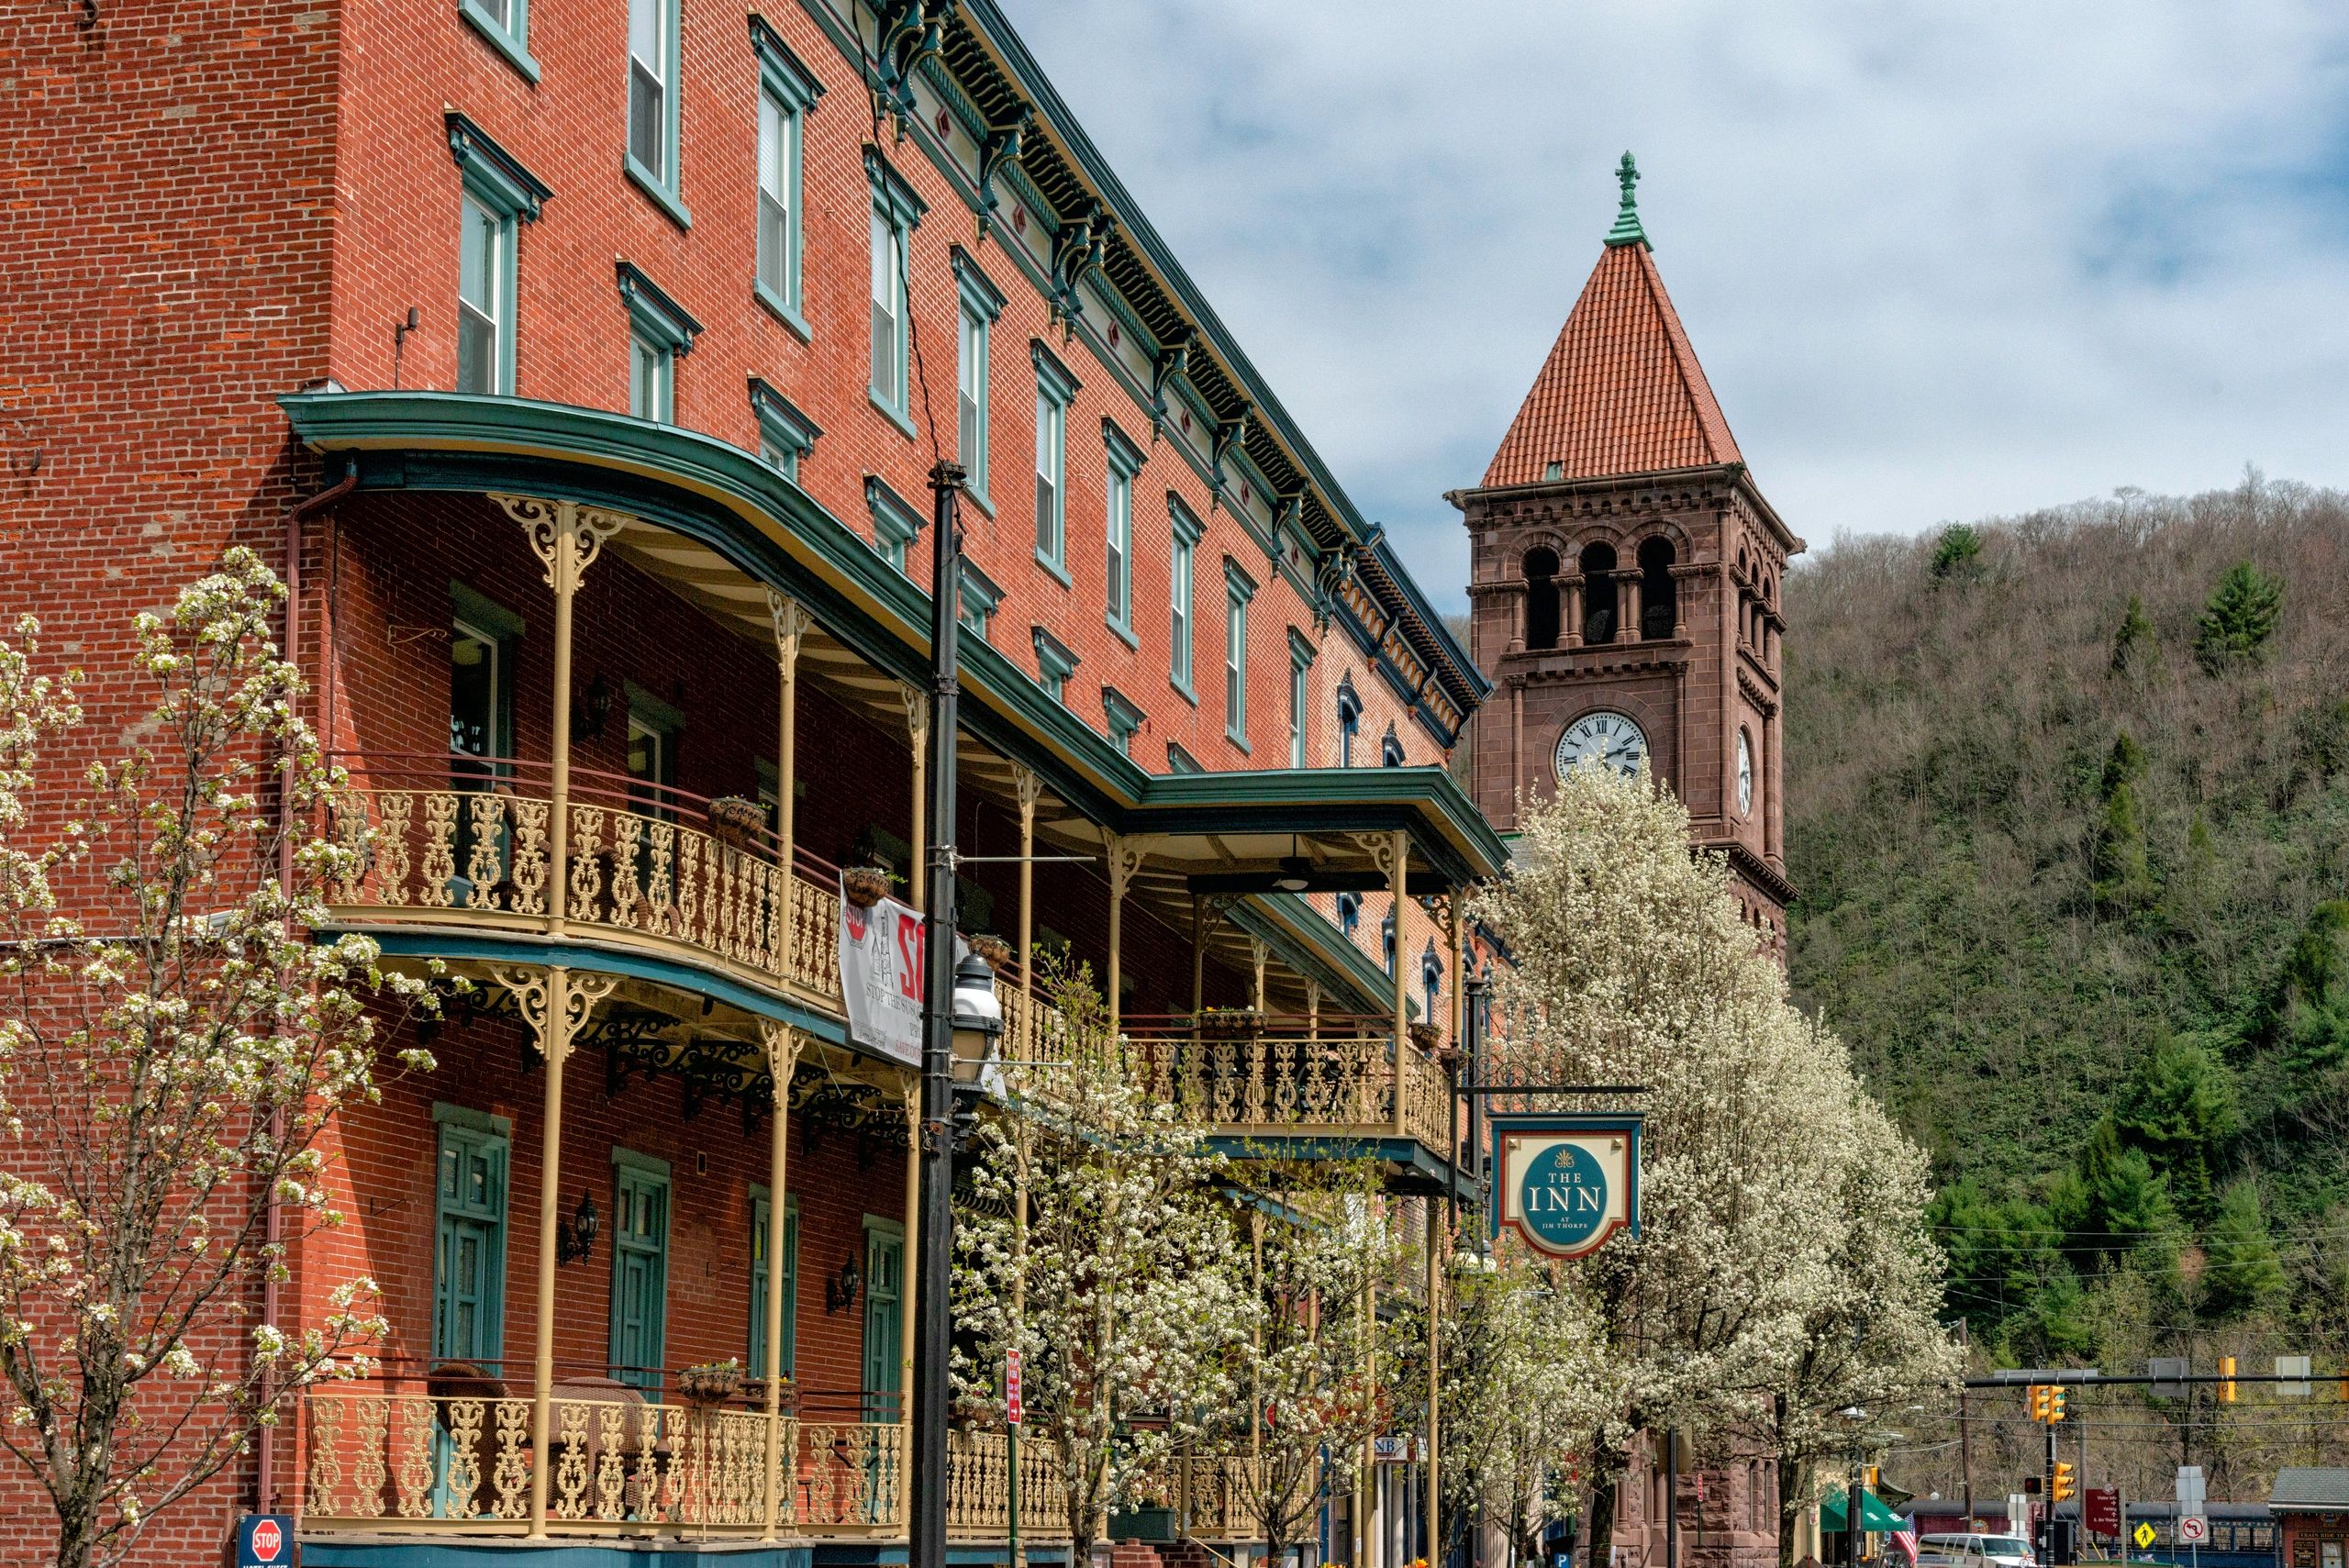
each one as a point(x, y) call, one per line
point(1744, 774)
point(1606, 740)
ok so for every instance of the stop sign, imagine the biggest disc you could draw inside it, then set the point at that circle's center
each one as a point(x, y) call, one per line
point(268, 1540)
point(264, 1541)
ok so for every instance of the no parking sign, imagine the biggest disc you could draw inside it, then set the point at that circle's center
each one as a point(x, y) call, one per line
point(265, 1541)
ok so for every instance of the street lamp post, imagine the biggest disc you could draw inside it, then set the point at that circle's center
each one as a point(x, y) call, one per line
point(927, 1528)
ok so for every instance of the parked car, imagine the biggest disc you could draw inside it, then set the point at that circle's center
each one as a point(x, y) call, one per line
point(1975, 1552)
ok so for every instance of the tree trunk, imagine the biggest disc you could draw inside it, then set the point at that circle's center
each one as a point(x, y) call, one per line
point(1794, 1483)
point(1599, 1549)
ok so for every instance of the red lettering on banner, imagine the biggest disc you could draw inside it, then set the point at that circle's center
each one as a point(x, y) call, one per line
point(909, 938)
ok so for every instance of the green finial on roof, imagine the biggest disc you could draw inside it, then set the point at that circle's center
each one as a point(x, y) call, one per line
point(1627, 230)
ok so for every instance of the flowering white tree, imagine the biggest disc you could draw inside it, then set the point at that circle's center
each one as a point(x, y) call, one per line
point(1529, 1377)
point(172, 1043)
point(1632, 965)
point(1095, 1240)
point(1321, 1241)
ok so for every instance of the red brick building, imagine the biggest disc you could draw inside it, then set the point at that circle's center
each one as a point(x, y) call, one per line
point(582, 367)
point(1625, 578)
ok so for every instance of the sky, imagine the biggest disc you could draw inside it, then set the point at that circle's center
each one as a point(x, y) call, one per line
point(1940, 262)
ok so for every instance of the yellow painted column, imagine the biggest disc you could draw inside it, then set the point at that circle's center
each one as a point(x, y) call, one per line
point(1398, 881)
point(567, 538)
point(1368, 1485)
point(916, 874)
point(782, 1044)
point(1030, 788)
point(1124, 857)
point(554, 1003)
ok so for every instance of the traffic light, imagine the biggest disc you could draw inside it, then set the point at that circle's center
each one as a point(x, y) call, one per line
point(2065, 1487)
point(2227, 1387)
point(2056, 1403)
point(2039, 1392)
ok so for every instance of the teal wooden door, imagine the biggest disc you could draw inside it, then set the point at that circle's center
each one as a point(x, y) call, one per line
point(639, 1274)
point(885, 1308)
point(469, 1270)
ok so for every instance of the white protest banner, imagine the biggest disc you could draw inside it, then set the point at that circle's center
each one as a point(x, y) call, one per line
point(881, 977)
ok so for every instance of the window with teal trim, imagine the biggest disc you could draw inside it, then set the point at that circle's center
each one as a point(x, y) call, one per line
point(1390, 748)
point(885, 1306)
point(506, 24)
point(896, 524)
point(654, 44)
point(660, 333)
point(896, 210)
point(1054, 389)
point(787, 91)
point(498, 196)
point(1124, 462)
point(1431, 979)
point(1180, 761)
point(640, 1233)
point(1054, 664)
point(786, 1349)
point(1239, 588)
point(469, 1256)
point(1349, 719)
point(1182, 557)
point(1300, 659)
point(786, 435)
point(982, 302)
point(1124, 716)
point(976, 597)
point(1349, 913)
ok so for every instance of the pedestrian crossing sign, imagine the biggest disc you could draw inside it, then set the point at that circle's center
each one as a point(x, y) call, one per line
point(2144, 1536)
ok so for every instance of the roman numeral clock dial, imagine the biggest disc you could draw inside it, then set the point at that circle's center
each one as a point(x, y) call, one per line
point(1605, 740)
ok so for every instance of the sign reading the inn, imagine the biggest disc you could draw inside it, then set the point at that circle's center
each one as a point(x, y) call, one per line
point(1566, 1183)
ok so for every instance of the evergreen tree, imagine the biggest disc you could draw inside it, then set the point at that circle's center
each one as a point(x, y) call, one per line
point(2239, 619)
point(2179, 1106)
point(2123, 1202)
point(2133, 643)
point(1958, 552)
point(2307, 1014)
point(2244, 1274)
point(2117, 872)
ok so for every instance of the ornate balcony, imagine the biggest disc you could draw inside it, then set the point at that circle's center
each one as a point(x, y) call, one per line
point(467, 841)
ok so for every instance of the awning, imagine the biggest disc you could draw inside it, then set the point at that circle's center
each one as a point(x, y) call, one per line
point(1875, 1517)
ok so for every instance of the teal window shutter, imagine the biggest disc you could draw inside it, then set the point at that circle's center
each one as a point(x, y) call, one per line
point(639, 1232)
point(469, 1254)
point(885, 1289)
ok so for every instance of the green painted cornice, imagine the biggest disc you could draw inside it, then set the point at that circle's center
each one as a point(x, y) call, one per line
point(772, 531)
point(1310, 945)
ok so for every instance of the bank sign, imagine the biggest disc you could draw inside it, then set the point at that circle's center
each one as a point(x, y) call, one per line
point(1566, 1183)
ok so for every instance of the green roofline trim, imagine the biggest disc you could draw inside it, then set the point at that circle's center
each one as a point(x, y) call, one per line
point(772, 531)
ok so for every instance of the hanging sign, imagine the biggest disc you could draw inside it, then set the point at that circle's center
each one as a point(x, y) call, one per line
point(1011, 1406)
point(1566, 1183)
point(881, 977)
point(264, 1541)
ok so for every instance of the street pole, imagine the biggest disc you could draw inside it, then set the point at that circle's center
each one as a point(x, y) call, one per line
point(1477, 1003)
point(935, 1327)
point(2047, 1495)
point(1964, 1424)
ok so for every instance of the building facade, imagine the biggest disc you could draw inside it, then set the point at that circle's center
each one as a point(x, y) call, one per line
point(1626, 574)
point(583, 369)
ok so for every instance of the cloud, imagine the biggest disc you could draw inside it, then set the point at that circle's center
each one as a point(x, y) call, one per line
point(1938, 260)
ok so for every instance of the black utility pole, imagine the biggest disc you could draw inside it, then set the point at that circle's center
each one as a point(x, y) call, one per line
point(935, 1327)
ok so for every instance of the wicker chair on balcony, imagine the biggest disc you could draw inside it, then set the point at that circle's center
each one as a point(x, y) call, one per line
point(463, 1380)
point(640, 1461)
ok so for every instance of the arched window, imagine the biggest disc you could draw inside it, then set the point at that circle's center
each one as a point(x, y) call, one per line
point(1598, 619)
point(1659, 595)
point(1541, 597)
point(1349, 913)
point(1431, 978)
point(1349, 721)
point(1391, 750)
point(1387, 934)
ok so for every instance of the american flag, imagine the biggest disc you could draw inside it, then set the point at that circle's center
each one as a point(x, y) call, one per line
point(1906, 1540)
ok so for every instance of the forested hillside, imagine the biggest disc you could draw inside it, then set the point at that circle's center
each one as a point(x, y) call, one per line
point(2068, 807)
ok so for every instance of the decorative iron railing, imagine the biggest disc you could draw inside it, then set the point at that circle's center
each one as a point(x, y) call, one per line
point(381, 1460)
point(469, 839)
point(978, 1502)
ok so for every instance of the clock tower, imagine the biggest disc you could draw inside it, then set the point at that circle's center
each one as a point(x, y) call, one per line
point(1625, 581)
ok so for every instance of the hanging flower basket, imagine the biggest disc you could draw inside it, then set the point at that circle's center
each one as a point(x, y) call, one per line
point(1231, 1023)
point(864, 885)
point(1427, 1036)
point(736, 822)
point(994, 949)
point(712, 1383)
point(754, 1391)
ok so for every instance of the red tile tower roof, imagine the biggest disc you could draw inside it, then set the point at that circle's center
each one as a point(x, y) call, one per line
point(1622, 390)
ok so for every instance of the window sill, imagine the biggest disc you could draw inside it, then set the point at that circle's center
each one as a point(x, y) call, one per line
point(1183, 689)
point(979, 499)
point(505, 43)
point(782, 312)
point(1059, 573)
point(1239, 740)
point(904, 425)
point(662, 197)
point(1125, 633)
